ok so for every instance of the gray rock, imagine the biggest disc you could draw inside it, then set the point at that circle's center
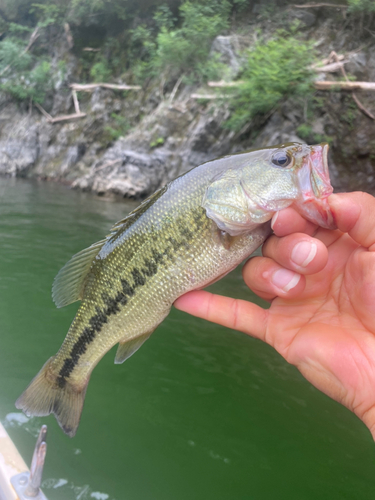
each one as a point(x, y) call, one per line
point(227, 48)
point(304, 16)
point(19, 147)
point(357, 65)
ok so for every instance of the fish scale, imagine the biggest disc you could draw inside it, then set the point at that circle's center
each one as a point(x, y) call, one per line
point(185, 236)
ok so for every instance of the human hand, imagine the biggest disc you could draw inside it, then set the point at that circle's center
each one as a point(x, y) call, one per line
point(321, 285)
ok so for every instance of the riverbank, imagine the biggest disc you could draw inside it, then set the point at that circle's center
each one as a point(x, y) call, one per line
point(129, 143)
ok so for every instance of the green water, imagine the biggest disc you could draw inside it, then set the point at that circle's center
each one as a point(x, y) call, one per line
point(200, 412)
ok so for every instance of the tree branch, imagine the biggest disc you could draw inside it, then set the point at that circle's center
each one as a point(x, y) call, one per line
point(90, 87)
point(328, 85)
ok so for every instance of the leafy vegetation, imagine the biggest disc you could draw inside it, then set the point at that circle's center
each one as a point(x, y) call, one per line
point(163, 40)
point(121, 127)
point(361, 6)
point(22, 75)
point(185, 49)
point(274, 71)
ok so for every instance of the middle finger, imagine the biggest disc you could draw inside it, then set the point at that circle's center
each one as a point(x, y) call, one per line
point(298, 252)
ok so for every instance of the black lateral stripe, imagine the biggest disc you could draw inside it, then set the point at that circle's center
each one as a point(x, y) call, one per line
point(149, 268)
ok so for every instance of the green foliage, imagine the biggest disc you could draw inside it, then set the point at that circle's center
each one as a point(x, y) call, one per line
point(13, 55)
point(306, 133)
point(159, 141)
point(18, 29)
point(22, 74)
point(275, 70)
point(121, 127)
point(142, 52)
point(100, 72)
point(185, 49)
point(48, 13)
point(32, 84)
point(364, 6)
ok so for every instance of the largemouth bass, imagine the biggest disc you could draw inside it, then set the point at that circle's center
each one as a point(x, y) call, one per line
point(187, 235)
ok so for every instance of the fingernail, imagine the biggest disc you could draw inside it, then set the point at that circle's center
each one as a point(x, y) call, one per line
point(274, 219)
point(303, 253)
point(285, 280)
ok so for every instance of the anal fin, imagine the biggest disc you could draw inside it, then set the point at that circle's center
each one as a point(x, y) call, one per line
point(129, 347)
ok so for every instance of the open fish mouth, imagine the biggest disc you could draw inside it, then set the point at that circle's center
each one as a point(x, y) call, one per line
point(316, 188)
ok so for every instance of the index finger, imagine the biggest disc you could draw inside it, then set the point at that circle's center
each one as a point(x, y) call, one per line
point(354, 213)
point(233, 313)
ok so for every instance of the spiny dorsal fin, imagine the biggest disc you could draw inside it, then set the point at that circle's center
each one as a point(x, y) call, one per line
point(129, 347)
point(129, 220)
point(69, 283)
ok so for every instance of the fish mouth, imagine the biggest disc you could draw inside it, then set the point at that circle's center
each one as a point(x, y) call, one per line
point(325, 148)
point(316, 187)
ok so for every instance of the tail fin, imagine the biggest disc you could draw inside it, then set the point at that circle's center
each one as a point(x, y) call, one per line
point(44, 396)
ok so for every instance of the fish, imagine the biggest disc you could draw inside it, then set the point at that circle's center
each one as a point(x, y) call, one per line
point(187, 235)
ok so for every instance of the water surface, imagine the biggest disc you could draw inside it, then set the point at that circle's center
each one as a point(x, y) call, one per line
point(200, 412)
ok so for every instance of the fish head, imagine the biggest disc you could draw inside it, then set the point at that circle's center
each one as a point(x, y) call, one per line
point(259, 183)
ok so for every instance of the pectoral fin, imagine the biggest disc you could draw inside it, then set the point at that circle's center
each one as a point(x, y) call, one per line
point(129, 347)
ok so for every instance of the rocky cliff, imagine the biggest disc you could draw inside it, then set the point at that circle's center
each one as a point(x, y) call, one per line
point(131, 143)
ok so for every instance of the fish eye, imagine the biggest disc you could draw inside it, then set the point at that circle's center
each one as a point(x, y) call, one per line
point(281, 159)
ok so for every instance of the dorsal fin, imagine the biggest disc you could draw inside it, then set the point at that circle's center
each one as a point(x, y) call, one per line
point(129, 220)
point(69, 283)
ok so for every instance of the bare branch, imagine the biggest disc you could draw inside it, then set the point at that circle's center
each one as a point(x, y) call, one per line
point(355, 98)
point(362, 108)
point(329, 68)
point(60, 118)
point(63, 118)
point(328, 85)
point(69, 36)
point(207, 96)
point(222, 83)
point(76, 103)
point(322, 4)
point(90, 87)
point(44, 112)
point(175, 88)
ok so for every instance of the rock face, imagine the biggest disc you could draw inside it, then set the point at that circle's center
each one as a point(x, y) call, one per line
point(132, 145)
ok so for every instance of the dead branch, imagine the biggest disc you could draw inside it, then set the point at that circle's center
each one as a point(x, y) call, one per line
point(208, 96)
point(362, 108)
point(60, 118)
point(63, 118)
point(69, 36)
point(34, 36)
point(44, 112)
point(355, 98)
point(330, 85)
point(90, 49)
point(323, 4)
point(76, 103)
point(90, 87)
point(329, 68)
point(224, 84)
point(175, 88)
point(328, 59)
